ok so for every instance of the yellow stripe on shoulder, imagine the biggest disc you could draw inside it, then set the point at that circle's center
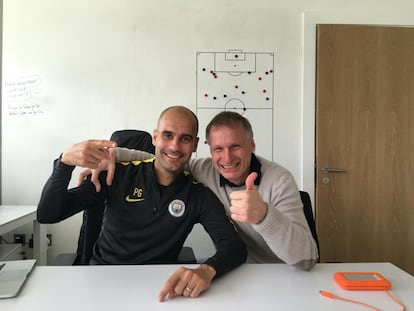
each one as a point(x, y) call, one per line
point(137, 162)
point(131, 163)
point(149, 160)
point(195, 181)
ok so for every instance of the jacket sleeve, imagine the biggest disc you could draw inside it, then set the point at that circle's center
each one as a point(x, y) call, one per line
point(57, 202)
point(285, 228)
point(127, 155)
point(230, 249)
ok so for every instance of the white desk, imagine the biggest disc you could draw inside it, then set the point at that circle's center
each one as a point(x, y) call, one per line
point(250, 287)
point(15, 216)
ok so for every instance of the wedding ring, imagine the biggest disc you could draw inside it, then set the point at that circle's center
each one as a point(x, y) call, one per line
point(189, 289)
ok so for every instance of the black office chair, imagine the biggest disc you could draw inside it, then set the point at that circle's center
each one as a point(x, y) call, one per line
point(307, 209)
point(92, 218)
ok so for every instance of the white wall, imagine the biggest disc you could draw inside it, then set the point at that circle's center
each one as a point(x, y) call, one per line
point(1, 77)
point(91, 67)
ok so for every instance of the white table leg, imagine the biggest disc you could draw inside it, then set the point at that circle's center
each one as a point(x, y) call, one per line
point(40, 243)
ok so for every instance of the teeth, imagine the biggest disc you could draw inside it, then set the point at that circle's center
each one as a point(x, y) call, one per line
point(228, 166)
point(175, 156)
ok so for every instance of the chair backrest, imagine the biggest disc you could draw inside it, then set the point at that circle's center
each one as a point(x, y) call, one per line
point(134, 139)
point(307, 209)
point(92, 218)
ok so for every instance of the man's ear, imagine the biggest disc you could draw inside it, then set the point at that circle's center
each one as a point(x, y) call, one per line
point(154, 136)
point(196, 144)
point(253, 145)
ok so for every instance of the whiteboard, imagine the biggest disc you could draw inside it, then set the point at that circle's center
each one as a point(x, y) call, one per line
point(241, 82)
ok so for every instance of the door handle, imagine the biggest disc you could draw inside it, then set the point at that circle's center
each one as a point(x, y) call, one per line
point(333, 170)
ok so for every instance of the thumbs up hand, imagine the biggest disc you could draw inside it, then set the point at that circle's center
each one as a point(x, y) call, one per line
point(247, 205)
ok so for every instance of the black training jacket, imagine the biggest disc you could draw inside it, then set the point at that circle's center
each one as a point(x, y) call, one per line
point(143, 223)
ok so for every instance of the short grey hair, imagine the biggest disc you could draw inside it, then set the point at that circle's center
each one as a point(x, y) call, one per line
point(231, 119)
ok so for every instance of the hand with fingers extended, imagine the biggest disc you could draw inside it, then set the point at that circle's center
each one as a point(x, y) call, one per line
point(187, 282)
point(247, 205)
point(107, 164)
point(88, 153)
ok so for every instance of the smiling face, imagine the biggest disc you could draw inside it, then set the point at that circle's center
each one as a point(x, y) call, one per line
point(231, 151)
point(175, 139)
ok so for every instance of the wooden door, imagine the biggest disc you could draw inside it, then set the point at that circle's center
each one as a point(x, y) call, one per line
point(365, 126)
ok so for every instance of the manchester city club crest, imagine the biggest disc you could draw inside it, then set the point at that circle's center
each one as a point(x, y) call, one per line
point(176, 208)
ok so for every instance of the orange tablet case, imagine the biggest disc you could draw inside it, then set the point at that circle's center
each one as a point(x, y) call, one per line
point(362, 281)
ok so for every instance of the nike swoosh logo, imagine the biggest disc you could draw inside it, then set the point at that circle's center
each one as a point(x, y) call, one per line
point(132, 200)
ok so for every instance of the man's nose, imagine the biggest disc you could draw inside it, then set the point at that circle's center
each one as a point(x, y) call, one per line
point(227, 155)
point(175, 143)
